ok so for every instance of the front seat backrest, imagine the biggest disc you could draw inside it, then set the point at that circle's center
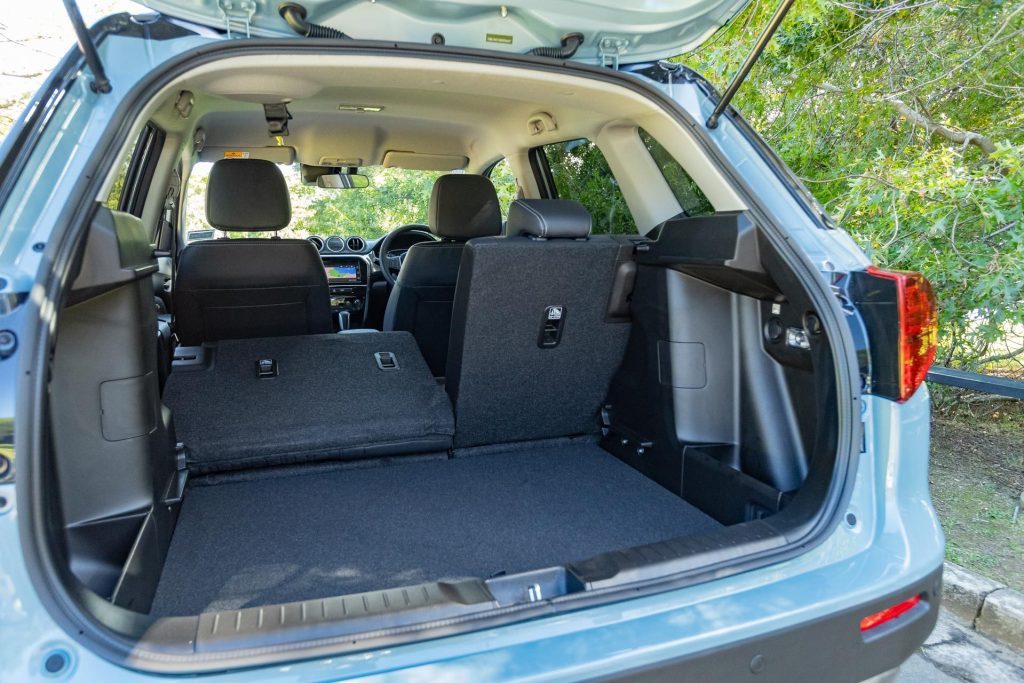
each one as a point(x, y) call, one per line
point(239, 288)
point(461, 207)
point(533, 346)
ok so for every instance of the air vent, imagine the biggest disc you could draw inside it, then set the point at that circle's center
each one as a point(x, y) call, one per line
point(356, 244)
point(334, 244)
point(316, 241)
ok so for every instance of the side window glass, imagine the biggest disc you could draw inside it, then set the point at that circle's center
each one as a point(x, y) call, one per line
point(505, 184)
point(581, 172)
point(196, 227)
point(113, 201)
point(135, 172)
point(689, 196)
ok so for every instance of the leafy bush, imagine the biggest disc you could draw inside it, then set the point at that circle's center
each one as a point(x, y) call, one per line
point(905, 119)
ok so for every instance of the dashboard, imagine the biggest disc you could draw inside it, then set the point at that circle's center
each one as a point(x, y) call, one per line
point(349, 265)
point(348, 278)
point(335, 244)
point(352, 265)
point(338, 245)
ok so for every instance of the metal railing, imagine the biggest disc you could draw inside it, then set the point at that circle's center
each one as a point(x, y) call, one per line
point(986, 384)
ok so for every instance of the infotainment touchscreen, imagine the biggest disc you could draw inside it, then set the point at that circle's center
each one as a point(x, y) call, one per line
point(342, 273)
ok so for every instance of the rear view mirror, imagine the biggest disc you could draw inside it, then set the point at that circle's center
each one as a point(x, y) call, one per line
point(343, 181)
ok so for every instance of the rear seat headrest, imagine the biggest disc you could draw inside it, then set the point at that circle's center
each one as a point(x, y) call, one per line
point(548, 218)
point(247, 194)
point(463, 206)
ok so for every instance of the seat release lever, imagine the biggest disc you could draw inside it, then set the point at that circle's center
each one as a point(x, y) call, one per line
point(551, 327)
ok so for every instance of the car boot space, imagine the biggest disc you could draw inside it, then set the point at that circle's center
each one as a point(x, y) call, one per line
point(324, 465)
point(568, 413)
point(287, 534)
point(579, 430)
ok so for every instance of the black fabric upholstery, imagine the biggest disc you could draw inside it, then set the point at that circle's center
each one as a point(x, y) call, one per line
point(247, 195)
point(548, 218)
point(461, 207)
point(300, 534)
point(235, 289)
point(464, 206)
point(330, 400)
point(504, 387)
point(421, 300)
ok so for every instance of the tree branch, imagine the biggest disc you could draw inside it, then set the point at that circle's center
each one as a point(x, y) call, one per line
point(1009, 355)
point(956, 136)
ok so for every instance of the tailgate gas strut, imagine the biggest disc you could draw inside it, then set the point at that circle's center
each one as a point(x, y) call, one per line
point(748, 63)
point(100, 82)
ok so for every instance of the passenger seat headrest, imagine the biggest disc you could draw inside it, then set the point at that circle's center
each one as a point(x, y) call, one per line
point(248, 195)
point(463, 206)
point(548, 218)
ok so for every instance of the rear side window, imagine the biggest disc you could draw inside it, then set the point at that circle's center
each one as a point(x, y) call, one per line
point(113, 201)
point(135, 174)
point(505, 185)
point(689, 196)
point(581, 172)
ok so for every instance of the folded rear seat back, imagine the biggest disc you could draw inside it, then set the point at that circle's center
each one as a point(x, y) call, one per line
point(323, 397)
point(534, 344)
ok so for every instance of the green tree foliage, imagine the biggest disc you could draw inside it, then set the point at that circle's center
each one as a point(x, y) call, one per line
point(114, 197)
point(581, 173)
point(905, 120)
point(505, 184)
point(395, 197)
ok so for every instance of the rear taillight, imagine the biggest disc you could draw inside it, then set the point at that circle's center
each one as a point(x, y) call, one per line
point(918, 327)
point(888, 614)
point(899, 314)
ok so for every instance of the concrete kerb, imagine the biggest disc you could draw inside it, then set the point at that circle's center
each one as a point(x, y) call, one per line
point(987, 606)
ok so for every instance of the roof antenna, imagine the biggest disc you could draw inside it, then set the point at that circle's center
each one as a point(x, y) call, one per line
point(100, 83)
point(748, 63)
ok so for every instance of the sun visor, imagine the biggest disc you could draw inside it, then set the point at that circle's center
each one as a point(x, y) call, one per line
point(424, 162)
point(278, 155)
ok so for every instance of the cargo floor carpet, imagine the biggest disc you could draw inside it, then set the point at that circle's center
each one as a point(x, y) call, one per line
point(321, 532)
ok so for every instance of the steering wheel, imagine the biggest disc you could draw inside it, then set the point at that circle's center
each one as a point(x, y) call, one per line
point(391, 263)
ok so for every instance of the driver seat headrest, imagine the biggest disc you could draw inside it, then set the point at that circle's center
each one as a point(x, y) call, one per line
point(247, 194)
point(464, 206)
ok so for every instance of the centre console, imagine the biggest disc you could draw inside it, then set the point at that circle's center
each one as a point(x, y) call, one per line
point(348, 277)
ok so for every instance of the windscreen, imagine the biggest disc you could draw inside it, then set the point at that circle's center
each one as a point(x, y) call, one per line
point(395, 197)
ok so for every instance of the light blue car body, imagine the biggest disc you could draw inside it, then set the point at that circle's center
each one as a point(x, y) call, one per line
point(889, 536)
